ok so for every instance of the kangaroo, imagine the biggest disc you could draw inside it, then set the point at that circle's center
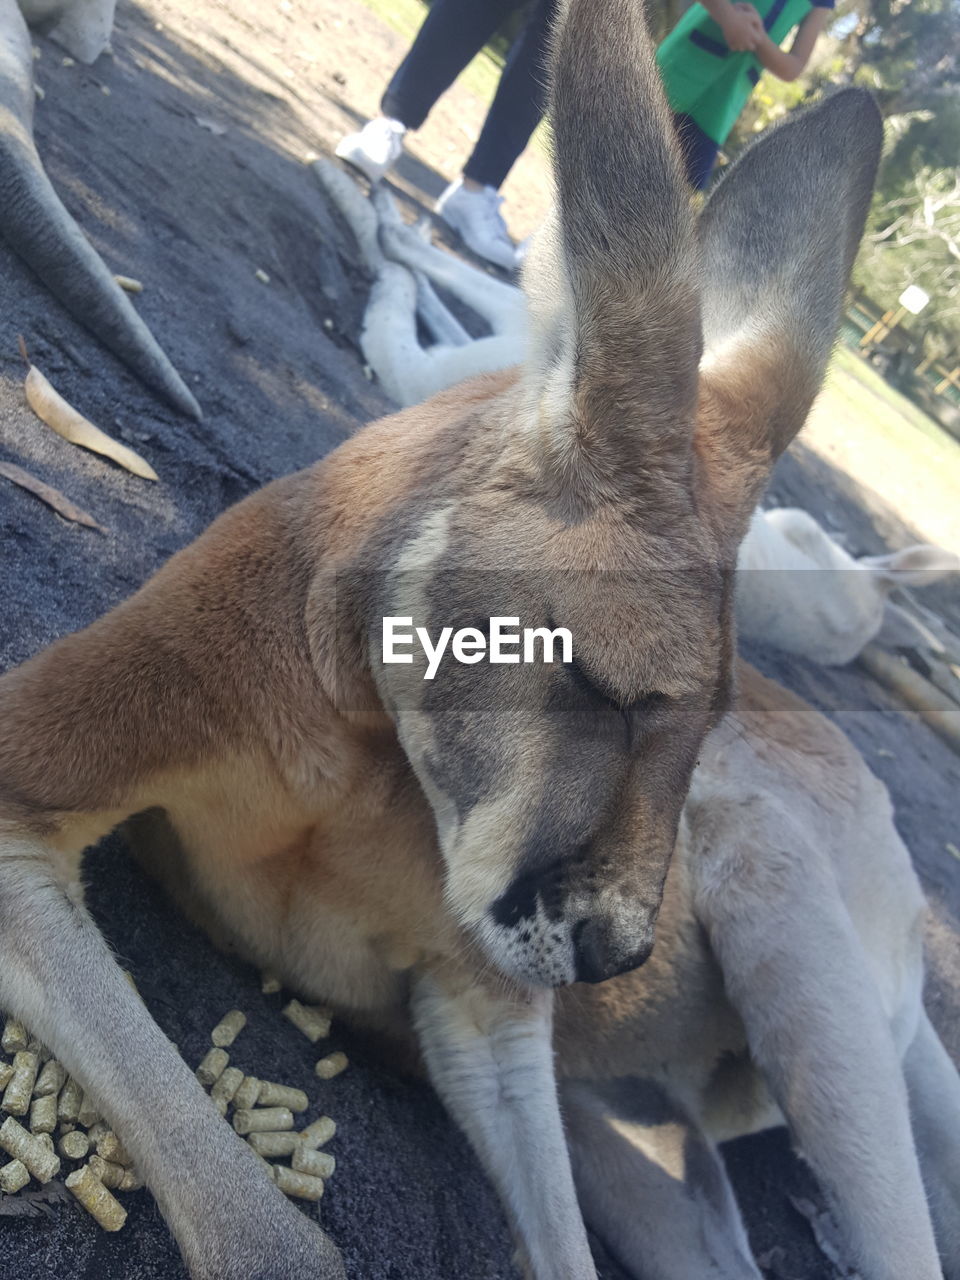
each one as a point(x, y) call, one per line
point(33, 219)
point(462, 846)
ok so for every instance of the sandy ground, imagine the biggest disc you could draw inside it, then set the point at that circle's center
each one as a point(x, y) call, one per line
point(194, 212)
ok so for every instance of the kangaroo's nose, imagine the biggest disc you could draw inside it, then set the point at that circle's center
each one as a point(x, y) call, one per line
point(604, 947)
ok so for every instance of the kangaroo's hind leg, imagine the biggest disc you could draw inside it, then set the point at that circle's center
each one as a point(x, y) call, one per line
point(501, 305)
point(934, 1088)
point(651, 1185)
point(797, 973)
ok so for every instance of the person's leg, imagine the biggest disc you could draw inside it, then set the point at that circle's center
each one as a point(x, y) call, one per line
point(699, 151)
point(453, 32)
point(519, 102)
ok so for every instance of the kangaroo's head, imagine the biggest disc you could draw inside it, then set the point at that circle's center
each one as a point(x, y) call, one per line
point(604, 492)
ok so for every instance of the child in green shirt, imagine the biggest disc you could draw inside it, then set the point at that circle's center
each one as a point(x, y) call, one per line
point(713, 58)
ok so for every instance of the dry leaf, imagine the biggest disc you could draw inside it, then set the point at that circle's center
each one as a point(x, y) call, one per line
point(51, 408)
point(52, 497)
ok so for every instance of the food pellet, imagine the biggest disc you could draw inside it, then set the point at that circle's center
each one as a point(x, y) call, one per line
point(16, 1096)
point(296, 1184)
point(14, 1036)
point(15, 1140)
point(14, 1177)
point(281, 1095)
point(261, 1120)
point(111, 1148)
point(69, 1102)
point(89, 1115)
point(331, 1065)
point(225, 1087)
point(212, 1066)
point(97, 1131)
point(47, 1140)
point(51, 1079)
point(43, 1114)
point(131, 1181)
point(6, 1074)
point(246, 1094)
point(319, 1164)
point(110, 1174)
point(96, 1199)
point(318, 1133)
point(269, 983)
point(265, 1165)
point(314, 1022)
point(74, 1145)
point(228, 1028)
point(274, 1144)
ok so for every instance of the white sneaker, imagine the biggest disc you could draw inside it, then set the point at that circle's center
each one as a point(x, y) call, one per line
point(476, 216)
point(375, 149)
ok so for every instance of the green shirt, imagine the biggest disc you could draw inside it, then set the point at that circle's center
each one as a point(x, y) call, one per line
point(704, 78)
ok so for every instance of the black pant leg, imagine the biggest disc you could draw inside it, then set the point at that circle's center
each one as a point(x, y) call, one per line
point(453, 32)
point(519, 103)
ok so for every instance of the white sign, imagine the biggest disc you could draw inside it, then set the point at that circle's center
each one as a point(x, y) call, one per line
point(914, 299)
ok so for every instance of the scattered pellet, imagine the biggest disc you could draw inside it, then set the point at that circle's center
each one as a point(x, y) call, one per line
point(265, 1165)
point(246, 1094)
point(74, 1145)
point(111, 1148)
point(14, 1036)
point(281, 1095)
point(50, 1080)
point(128, 283)
point(96, 1199)
point(16, 1096)
point(225, 1087)
point(15, 1140)
point(274, 1144)
point(269, 983)
point(331, 1065)
point(301, 1185)
point(98, 1131)
point(317, 1134)
point(6, 1074)
point(213, 1066)
point(319, 1164)
point(228, 1028)
point(131, 1181)
point(70, 1101)
point(43, 1114)
point(110, 1174)
point(262, 275)
point(263, 1120)
point(88, 1115)
point(14, 1177)
point(313, 1021)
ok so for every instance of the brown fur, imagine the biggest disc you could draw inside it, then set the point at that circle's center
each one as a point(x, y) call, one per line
point(468, 843)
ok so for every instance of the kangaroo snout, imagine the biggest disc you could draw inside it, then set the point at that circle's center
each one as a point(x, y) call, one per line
point(604, 947)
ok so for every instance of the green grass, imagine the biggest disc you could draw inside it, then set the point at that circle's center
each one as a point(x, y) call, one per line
point(859, 390)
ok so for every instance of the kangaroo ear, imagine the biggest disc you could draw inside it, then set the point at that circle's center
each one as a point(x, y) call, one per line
point(778, 238)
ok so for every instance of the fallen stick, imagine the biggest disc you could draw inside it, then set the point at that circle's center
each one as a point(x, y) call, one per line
point(52, 497)
point(940, 712)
